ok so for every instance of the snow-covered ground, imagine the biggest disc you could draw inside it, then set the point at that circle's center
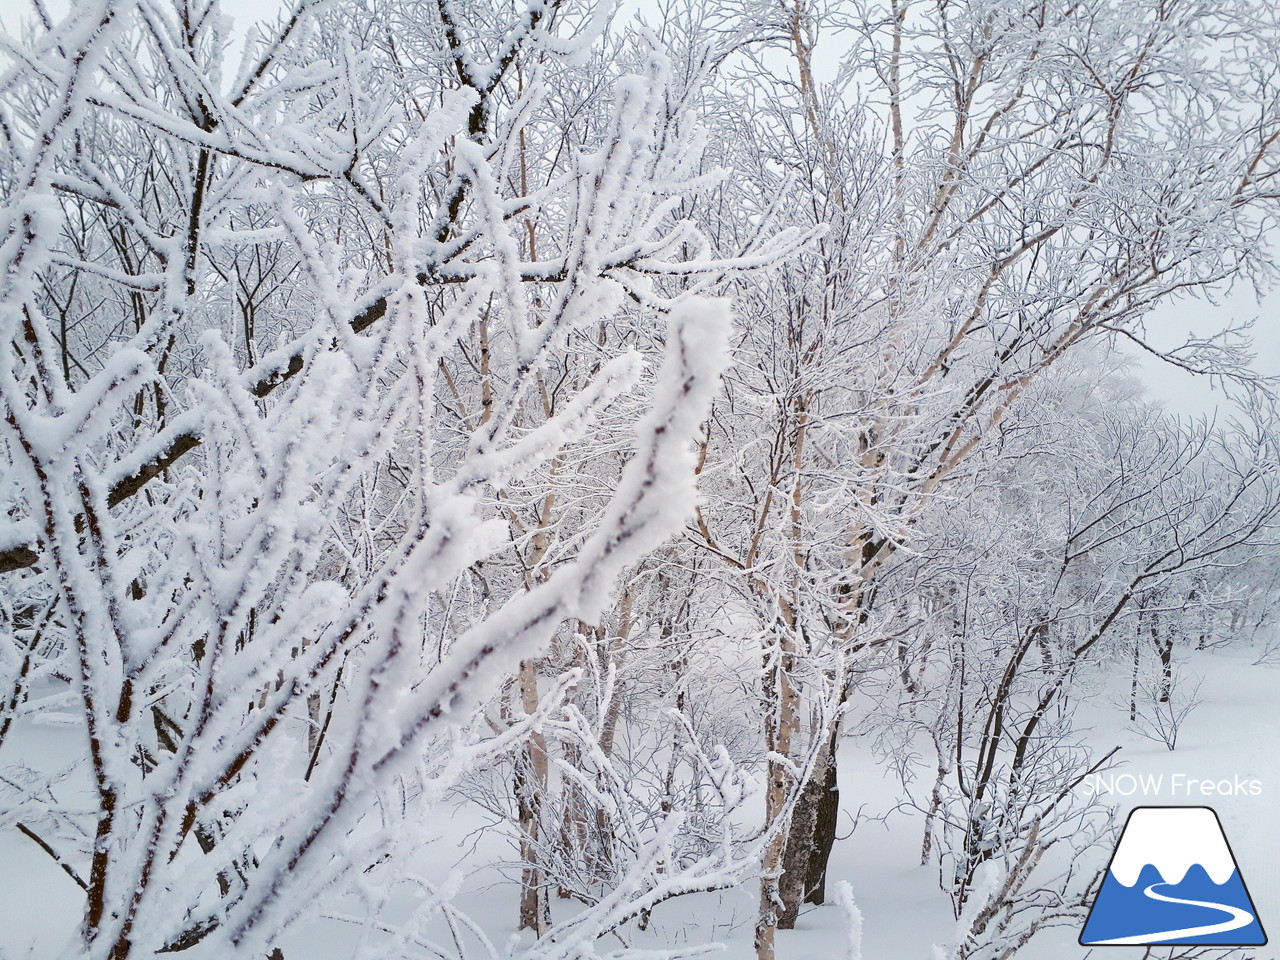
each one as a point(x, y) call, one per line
point(1232, 736)
point(1234, 733)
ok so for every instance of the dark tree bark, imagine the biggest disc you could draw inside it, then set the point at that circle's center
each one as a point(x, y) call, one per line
point(811, 838)
point(824, 827)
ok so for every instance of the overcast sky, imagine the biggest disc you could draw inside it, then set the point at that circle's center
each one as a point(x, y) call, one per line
point(1166, 328)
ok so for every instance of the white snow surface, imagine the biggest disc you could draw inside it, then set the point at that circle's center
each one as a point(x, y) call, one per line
point(904, 914)
point(1172, 839)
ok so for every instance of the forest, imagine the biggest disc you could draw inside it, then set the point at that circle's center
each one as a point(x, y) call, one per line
point(532, 479)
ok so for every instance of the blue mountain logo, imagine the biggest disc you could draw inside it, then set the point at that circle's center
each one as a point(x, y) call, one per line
point(1173, 880)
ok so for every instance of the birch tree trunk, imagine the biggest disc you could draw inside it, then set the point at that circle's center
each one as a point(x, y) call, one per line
point(782, 726)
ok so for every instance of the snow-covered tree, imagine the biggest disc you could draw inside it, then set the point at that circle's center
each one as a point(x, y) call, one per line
point(1001, 184)
point(353, 392)
point(280, 349)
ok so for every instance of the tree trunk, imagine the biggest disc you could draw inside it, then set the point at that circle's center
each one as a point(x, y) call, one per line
point(781, 728)
point(1133, 682)
point(811, 838)
point(1166, 668)
point(771, 866)
point(798, 853)
point(533, 893)
point(530, 786)
point(930, 818)
point(824, 826)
